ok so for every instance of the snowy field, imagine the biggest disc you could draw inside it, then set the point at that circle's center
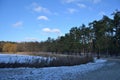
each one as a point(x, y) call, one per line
point(50, 73)
point(17, 58)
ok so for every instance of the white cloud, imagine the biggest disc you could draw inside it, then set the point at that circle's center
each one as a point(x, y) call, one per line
point(56, 30)
point(18, 24)
point(31, 39)
point(81, 5)
point(77, 1)
point(42, 18)
point(48, 30)
point(38, 8)
point(96, 1)
point(72, 10)
point(68, 1)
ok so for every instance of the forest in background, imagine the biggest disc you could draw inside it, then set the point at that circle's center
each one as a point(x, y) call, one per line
point(100, 36)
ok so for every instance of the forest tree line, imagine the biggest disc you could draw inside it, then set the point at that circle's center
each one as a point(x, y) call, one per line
point(100, 36)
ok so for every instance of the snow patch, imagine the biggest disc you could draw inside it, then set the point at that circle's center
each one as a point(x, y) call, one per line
point(100, 60)
point(50, 73)
point(13, 58)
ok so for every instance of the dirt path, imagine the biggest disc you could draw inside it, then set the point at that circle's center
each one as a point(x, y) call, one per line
point(111, 71)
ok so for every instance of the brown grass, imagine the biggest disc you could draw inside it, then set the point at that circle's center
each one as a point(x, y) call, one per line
point(58, 60)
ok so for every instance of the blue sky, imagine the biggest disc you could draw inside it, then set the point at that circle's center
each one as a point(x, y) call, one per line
point(36, 20)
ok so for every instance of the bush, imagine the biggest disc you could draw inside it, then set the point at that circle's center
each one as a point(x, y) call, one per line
point(70, 61)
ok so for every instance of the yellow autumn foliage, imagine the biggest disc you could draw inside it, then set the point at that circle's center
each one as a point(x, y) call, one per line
point(9, 47)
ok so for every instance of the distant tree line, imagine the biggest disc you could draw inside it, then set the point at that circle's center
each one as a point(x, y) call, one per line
point(100, 36)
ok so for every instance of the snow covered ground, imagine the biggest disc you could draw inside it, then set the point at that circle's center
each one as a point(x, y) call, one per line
point(50, 73)
point(16, 58)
